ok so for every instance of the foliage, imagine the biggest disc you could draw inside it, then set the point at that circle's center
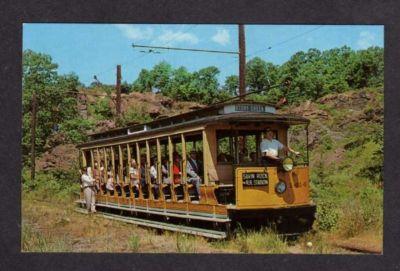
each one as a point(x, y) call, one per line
point(100, 109)
point(311, 75)
point(135, 114)
point(56, 98)
point(58, 185)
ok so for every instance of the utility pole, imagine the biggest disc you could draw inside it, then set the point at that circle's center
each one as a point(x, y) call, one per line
point(118, 90)
point(242, 62)
point(33, 135)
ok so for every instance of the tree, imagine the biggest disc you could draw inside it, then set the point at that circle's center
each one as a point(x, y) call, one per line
point(260, 74)
point(56, 98)
point(232, 85)
point(204, 86)
point(178, 85)
point(144, 82)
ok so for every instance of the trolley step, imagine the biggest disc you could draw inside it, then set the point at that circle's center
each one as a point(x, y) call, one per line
point(161, 225)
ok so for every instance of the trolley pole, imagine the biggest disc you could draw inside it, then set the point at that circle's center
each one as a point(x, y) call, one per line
point(118, 90)
point(33, 135)
point(242, 62)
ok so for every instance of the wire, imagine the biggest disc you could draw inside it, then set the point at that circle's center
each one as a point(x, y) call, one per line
point(285, 41)
point(146, 54)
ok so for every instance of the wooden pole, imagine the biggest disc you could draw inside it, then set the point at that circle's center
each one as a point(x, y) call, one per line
point(33, 135)
point(242, 61)
point(118, 91)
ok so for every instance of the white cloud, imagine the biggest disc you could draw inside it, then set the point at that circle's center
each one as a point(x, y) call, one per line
point(366, 39)
point(135, 33)
point(169, 37)
point(222, 37)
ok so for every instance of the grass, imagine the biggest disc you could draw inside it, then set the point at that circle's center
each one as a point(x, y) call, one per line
point(134, 243)
point(33, 240)
point(185, 243)
point(263, 241)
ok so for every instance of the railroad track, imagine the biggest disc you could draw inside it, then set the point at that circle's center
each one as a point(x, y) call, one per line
point(160, 225)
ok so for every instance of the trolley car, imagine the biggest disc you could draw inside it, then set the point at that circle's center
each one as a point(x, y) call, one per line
point(237, 186)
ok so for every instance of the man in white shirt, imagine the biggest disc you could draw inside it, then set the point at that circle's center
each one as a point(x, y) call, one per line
point(269, 147)
point(88, 186)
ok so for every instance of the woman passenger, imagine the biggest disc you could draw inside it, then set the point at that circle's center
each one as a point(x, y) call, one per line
point(110, 183)
point(177, 169)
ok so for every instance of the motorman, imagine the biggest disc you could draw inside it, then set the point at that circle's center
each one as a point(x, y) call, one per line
point(269, 148)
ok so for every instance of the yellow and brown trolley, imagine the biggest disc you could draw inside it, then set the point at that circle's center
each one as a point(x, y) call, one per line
point(237, 186)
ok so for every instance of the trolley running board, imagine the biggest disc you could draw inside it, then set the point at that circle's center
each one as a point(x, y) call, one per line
point(161, 225)
point(169, 213)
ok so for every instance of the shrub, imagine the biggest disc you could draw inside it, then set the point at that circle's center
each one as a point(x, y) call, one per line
point(327, 215)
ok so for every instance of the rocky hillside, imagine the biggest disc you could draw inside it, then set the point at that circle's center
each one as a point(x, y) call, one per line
point(336, 119)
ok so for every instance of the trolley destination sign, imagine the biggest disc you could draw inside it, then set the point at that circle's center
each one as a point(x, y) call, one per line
point(249, 108)
point(254, 178)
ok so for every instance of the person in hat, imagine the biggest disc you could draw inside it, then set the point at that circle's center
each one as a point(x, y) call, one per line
point(193, 172)
point(270, 147)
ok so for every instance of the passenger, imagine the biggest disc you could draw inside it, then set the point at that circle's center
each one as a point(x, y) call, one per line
point(102, 175)
point(110, 183)
point(222, 158)
point(134, 174)
point(177, 169)
point(153, 177)
point(243, 156)
point(253, 157)
point(193, 172)
point(165, 171)
point(96, 177)
point(88, 190)
point(269, 148)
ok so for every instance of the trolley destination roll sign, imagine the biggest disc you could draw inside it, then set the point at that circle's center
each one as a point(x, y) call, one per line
point(255, 178)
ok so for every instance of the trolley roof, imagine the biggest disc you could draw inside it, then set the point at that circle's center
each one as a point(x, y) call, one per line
point(229, 112)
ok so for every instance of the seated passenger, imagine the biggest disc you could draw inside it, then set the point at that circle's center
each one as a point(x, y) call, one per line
point(243, 156)
point(134, 174)
point(110, 183)
point(153, 177)
point(269, 148)
point(222, 158)
point(177, 169)
point(253, 157)
point(165, 171)
point(193, 172)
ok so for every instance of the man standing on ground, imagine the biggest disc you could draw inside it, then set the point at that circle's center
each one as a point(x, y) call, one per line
point(88, 186)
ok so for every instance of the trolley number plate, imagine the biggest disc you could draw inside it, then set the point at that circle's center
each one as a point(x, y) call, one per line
point(254, 179)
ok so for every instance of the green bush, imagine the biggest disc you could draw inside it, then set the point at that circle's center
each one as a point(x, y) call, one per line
point(327, 215)
point(56, 185)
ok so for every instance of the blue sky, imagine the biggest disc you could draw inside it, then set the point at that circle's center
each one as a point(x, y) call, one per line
point(95, 49)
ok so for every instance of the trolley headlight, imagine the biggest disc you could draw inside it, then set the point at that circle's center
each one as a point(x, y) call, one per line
point(287, 164)
point(280, 187)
